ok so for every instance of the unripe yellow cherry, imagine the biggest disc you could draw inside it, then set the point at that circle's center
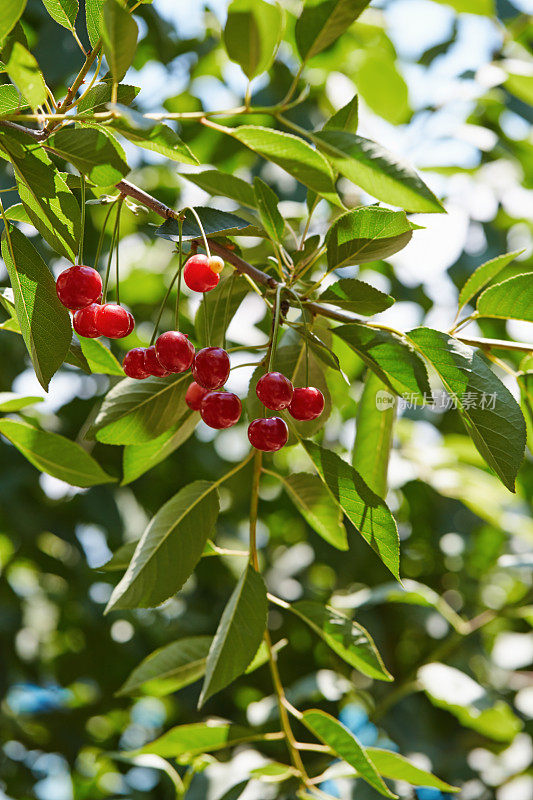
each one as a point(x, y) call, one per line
point(216, 264)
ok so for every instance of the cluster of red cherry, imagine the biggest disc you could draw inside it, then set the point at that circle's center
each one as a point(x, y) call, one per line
point(79, 288)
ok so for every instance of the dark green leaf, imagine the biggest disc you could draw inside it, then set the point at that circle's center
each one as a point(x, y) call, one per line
point(346, 118)
point(223, 184)
point(267, 204)
point(484, 274)
point(511, 299)
point(170, 668)
point(24, 72)
point(169, 549)
point(373, 434)
point(219, 306)
point(99, 96)
point(252, 34)
point(238, 635)
point(63, 11)
point(312, 499)
point(491, 414)
point(394, 766)
point(151, 135)
point(377, 171)
point(321, 23)
point(139, 458)
point(11, 13)
point(367, 512)
point(99, 358)
point(119, 35)
point(357, 296)
point(44, 322)
point(54, 454)
point(213, 220)
point(367, 234)
point(93, 151)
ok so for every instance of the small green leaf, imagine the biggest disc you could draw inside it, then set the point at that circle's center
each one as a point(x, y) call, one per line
point(139, 458)
point(346, 637)
point(273, 772)
point(238, 635)
point(491, 414)
point(314, 502)
point(93, 20)
point(100, 359)
point(119, 34)
point(54, 454)
point(93, 151)
point(24, 72)
point(63, 12)
point(213, 221)
point(382, 86)
point(346, 118)
point(484, 274)
point(367, 512)
point(377, 171)
point(394, 766)
point(322, 23)
point(390, 357)
point(367, 234)
point(223, 184)
point(44, 322)
point(99, 96)
point(169, 549)
point(184, 742)
point(511, 299)
point(11, 13)
point(151, 135)
point(357, 296)
point(10, 99)
point(344, 745)
point(252, 34)
point(219, 307)
point(292, 154)
point(14, 402)
point(267, 204)
point(170, 668)
point(373, 434)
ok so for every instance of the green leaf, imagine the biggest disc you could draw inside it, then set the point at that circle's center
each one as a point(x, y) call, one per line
point(11, 13)
point(10, 99)
point(50, 204)
point(293, 155)
point(367, 512)
point(99, 96)
point(17, 213)
point(100, 359)
point(314, 502)
point(184, 742)
point(44, 322)
point(223, 184)
point(367, 234)
point(170, 668)
point(377, 171)
point(213, 221)
point(119, 35)
point(14, 402)
point(54, 454)
point(24, 72)
point(511, 299)
point(373, 434)
point(121, 558)
point(344, 745)
point(382, 86)
point(267, 204)
point(169, 549)
point(273, 772)
point(93, 20)
point(63, 11)
point(390, 357)
point(483, 275)
point(219, 306)
point(346, 637)
point(357, 296)
point(346, 118)
point(397, 768)
point(238, 635)
point(139, 458)
point(491, 414)
point(134, 412)
point(453, 690)
point(324, 353)
point(151, 135)
point(93, 151)
point(322, 23)
point(252, 34)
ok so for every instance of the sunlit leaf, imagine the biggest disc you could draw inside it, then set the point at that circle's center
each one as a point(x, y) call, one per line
point(119, 35)
point(314, 502)
point(139, 458)
point(252, 34)
point(373, 434)
point(484, 274)
point(511, 299)
point(321, 23)
point(24, 72)
point(63, 11)
point(367, 234)
point(170, 668)
point(94, 152)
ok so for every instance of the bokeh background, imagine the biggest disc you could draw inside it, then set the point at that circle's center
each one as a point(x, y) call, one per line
point(448, 86)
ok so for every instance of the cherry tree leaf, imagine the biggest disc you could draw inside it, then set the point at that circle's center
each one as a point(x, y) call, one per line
point(346, 118)
point(93, 151)
point(119, 34)
point(9, 401)
point(24, 72)
point(367, 234)
point(184, 742)
point(321, 23)
point(484, 274)
point(314, 502)
point(11, 13)
point(139, 458)
point(267, 204)
point(170, 668)
point(394, 766)
point(511, 299)
point(252, 34)
point(373, 434)
point(63, 12)
point(223, 184)
point(357, 296)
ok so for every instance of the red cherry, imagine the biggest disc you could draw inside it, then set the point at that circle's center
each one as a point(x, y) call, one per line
point(84, 321)
point(198, 275)
point(174, 351)
point(194, 396)
point(132, 323)
point(113, 321)
point(152, 364)
point(78, 286)
point(275, 391)
point(210, 367)
point(307, 403)
point(268, 434)
point(220, 409)
point(134, 364)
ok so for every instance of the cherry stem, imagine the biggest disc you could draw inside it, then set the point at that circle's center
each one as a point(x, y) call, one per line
point(275, 326)
point(117, 247)
point(306, 335)
point(111, 248)
point(226, 310)
point(163, 304)
point(178, 295)
point(82, 221)
point(199, 221)
point(102, 235)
